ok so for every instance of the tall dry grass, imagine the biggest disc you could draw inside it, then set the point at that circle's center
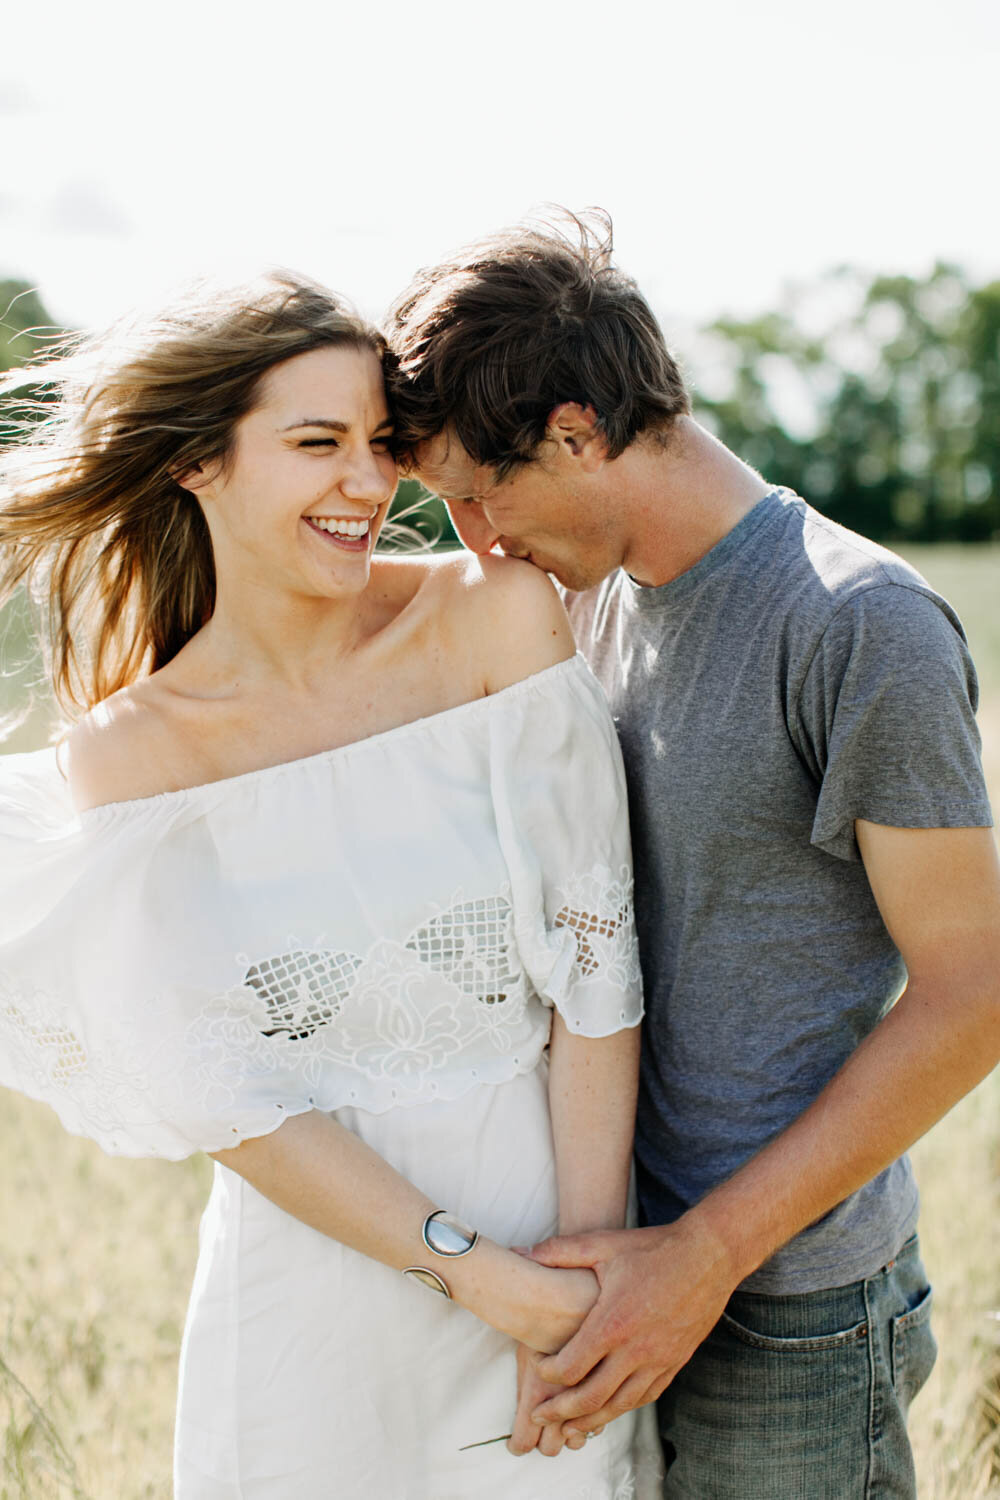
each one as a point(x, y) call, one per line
point(96, 1257)
point(955, 1423)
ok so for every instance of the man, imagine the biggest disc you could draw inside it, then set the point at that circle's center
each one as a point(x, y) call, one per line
point(812, 841)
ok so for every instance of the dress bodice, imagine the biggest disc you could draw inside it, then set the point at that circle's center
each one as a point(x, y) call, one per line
point(376, 925)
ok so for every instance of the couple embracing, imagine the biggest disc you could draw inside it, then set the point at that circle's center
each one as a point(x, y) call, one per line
point(331, 878)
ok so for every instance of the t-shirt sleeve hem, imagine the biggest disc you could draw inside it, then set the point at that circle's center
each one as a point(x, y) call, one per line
point(837, 837)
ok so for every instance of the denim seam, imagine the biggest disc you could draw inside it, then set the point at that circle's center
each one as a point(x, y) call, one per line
point(899, 1328)
point(896, 1360)
point(774, 1344)
point(872, 1386)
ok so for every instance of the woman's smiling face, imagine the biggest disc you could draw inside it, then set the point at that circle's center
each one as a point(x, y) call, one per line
point(307, 486)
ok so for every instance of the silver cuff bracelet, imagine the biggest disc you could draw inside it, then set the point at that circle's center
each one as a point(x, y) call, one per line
point(447, 1235)
point(428, 1278)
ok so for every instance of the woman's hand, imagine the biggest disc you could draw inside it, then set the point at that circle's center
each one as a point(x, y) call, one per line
point(549, 1309)
point(532, 1390)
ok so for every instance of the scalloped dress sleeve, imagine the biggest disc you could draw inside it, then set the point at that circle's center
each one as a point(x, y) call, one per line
point(562, 821)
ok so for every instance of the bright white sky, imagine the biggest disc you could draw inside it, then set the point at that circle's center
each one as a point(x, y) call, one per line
point(737, 145)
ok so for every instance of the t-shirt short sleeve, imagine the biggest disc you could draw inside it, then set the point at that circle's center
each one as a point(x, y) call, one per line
point(886, 719)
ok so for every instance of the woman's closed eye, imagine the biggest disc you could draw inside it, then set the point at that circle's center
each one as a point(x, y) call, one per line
point(378, 444)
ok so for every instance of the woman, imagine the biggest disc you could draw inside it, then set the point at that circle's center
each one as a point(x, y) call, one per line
point(331, 836)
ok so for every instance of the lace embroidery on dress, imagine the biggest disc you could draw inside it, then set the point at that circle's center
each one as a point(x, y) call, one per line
point(598, 909)
point(449, 1006)
point(48, 1044)
point(625, 1489)
point(404, 1010)
point(470, 946)
point(303, 990)
point(105, 1085)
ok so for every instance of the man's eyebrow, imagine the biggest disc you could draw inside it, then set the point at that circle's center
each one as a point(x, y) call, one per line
point(331, 425)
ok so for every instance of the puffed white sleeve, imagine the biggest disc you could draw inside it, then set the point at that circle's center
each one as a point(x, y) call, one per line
point(105, 1014)
point(560, 802)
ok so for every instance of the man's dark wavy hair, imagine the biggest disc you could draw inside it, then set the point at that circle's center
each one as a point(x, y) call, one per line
point(492, 339)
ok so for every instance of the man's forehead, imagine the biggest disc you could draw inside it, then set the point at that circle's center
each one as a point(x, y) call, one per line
point(444, 465)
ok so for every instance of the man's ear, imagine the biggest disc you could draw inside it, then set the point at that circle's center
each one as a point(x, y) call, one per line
point(575, 428)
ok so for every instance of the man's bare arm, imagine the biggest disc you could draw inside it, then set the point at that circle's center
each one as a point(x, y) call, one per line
point(663, 1289)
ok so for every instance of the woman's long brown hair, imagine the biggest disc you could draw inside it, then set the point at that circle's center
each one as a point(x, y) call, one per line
point(114, 553)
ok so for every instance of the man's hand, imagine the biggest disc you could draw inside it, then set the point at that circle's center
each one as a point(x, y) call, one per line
point(662, 1292)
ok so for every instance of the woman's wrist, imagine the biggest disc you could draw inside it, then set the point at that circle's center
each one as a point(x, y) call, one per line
point(565, 1298)
point(534, 1304)
point(490, 1282)
point(585, 1218)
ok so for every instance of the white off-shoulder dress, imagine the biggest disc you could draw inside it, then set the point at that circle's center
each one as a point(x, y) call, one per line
point(378, 931)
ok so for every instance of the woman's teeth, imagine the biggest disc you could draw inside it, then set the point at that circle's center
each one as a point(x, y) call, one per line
point(340, 528)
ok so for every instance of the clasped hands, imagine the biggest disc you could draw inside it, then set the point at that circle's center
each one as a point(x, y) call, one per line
point(660, 1292)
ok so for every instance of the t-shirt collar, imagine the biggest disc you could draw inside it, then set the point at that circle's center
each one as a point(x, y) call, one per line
point(655, 596)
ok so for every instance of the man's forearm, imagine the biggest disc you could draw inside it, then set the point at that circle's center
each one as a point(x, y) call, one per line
point(923, 1057)
point(664, 1288)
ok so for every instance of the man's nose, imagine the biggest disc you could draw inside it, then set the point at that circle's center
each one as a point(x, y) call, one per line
point(473, 526)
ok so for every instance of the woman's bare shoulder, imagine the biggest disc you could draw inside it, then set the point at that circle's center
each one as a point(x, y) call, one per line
point(529, 626)
point(124, 748)
point(503, 611)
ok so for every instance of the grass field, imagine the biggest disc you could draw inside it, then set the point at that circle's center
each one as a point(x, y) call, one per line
point(96, 1256)
point(956, 1419)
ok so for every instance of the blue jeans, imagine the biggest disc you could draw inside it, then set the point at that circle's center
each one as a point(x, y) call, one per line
point(804, 1397)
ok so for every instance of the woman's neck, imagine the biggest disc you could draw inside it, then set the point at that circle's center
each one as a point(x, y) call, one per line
point(258, 635)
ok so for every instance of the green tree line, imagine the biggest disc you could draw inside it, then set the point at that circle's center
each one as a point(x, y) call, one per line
point(876, 397)
point(895, 394)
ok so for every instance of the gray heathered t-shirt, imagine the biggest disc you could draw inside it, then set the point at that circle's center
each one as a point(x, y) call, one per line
point(796, 678)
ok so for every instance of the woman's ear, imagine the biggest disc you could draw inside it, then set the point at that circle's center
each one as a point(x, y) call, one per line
point(194, 478)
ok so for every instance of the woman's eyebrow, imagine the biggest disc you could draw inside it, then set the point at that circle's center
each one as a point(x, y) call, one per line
point(318, 422)
point(330, 424)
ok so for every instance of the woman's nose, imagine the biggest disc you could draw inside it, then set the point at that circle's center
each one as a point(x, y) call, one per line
point(370, 477)
point(473, 526)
